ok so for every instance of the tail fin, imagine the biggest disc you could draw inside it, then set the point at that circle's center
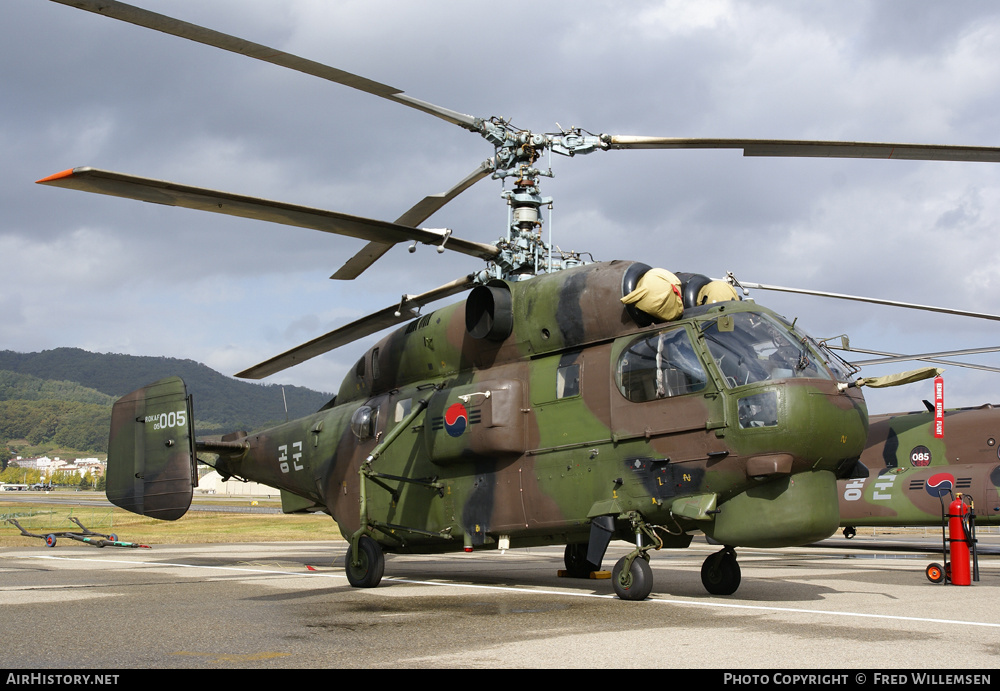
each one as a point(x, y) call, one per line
point(151, 459)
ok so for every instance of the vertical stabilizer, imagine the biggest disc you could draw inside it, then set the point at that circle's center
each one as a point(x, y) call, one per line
point(151, 461)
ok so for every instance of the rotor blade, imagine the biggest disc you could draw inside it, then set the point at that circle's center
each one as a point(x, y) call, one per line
point(877, 301)
point(173, 194)
point(427, 206)
point(926, 357)
point(365, 257)
point(199, 34)
point(417, 214)
point(806, 148)
point(407, 309)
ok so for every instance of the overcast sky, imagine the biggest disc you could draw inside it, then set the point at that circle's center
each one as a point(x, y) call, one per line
point(113, 275)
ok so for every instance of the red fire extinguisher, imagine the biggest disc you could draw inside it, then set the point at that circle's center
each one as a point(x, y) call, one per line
point(959, 538)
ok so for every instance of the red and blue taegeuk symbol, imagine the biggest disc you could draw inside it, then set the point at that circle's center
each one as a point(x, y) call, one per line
point(456, 419)
point(939, 484)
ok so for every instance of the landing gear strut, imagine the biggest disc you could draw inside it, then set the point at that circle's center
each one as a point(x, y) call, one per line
point(720, 574)
point(577, 564)
point(632, 577)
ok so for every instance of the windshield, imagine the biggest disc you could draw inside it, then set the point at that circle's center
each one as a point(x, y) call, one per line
point(841, 369)
point(750, 347)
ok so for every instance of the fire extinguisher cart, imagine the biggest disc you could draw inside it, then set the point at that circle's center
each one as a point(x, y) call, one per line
point(958, 544)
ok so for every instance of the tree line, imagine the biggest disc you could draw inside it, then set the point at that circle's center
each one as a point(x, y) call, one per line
point(69, 424)
point(64, 397)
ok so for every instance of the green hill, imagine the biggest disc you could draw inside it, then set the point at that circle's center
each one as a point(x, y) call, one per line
point(65, 395)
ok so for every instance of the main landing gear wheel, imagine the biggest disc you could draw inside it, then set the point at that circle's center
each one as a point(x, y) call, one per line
point(720, 574)
point(634, 583)
point(575, 558)
point(367, 573)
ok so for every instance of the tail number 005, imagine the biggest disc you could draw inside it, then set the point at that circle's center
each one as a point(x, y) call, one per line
point(167, 420)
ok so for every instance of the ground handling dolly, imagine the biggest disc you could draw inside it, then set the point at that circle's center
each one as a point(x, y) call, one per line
point(88, 536)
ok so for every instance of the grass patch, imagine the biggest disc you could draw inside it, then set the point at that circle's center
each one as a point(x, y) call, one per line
point(215, 526)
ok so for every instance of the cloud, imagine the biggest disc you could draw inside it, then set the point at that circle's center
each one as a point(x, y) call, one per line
point(111, 274)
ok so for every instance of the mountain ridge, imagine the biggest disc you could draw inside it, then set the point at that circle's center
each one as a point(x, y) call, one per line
point(75, 377)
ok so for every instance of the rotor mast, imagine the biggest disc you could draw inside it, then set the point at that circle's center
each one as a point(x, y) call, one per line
point(524, 253)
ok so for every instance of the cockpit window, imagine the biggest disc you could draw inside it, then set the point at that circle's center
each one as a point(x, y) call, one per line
point(842, 370)
point(660, 365)
point(750, 347)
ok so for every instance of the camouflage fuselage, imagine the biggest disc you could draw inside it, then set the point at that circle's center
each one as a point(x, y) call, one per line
point(545, 418)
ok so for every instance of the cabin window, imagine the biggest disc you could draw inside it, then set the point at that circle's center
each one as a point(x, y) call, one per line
point(759, 410)
point(660, 365)
point(568, 381)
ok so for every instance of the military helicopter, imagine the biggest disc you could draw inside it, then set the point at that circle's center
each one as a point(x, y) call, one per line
point(906, 471)
point(562, 402)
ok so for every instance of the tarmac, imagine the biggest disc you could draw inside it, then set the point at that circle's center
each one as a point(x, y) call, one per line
point(861, 608)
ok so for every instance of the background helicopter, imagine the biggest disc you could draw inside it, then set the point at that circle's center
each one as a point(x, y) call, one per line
point(906, 471)
point(564, 138)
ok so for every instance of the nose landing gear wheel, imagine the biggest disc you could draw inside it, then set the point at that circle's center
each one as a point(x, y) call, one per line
point(720, 574)
point(634, 583)
point(367, 573)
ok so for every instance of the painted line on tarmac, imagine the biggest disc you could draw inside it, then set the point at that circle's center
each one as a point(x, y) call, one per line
point(536, 591)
